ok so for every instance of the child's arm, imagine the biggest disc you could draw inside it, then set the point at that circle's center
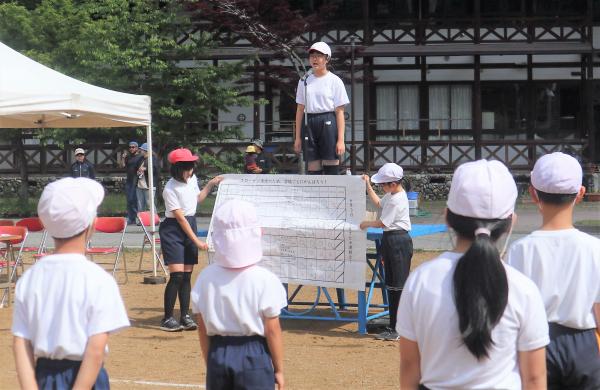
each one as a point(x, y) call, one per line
point(367, 224)
point(204, 340)
point(24, 362)
point(92, 361)
point(410, 364)
point(597, 316)
point(532, 367)
point(185, 226)
point(275, 342)
point(209, 186)
point(372, 195)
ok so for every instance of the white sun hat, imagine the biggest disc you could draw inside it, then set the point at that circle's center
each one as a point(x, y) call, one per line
point(388, 173)
point(557, 173)
point(236, 234)
point(321, 47)
point(482, 189)
point(68, 206)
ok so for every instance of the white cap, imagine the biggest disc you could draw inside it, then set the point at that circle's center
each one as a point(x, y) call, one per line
point(236, 234)
point(557, 173)
point(482, 189)
point(388, 173)
point(321, 47)
point(68, 206)
point(79, 151)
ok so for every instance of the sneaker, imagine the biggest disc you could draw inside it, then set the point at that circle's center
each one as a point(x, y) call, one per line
point(170, 325)
point(388, 335)
point(188, 323)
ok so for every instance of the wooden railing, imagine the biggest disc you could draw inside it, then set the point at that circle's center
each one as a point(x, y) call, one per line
point(442, 156)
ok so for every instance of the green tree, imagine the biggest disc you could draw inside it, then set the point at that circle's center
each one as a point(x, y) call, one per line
point(131, 46)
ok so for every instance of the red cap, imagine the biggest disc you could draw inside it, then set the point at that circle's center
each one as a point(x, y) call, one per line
point(181, 154)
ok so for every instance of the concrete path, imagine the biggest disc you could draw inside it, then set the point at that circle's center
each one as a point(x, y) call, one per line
point(430, 213)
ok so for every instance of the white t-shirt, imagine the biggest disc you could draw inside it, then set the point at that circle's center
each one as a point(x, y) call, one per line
point(427, 315)
point(184, 196)
point(63, 300)
point(324, 93)
point(233, 302)
point(394, 212)
point(565, 265)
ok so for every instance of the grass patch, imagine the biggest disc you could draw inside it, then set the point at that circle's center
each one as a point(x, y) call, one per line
point(588, 222)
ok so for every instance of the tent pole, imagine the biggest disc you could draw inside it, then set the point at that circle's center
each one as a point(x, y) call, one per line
point(154, 279)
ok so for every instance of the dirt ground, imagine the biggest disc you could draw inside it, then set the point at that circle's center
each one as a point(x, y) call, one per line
point(318, 354)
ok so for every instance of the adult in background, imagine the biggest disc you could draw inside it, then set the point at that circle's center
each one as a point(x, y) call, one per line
point(143, 182)
point(130, 161)
point(82, 167)
point(323, 96)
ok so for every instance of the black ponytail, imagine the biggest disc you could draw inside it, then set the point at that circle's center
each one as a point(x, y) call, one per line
point(480, 283)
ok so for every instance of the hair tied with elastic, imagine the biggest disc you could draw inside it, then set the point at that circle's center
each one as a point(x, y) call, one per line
point(482, 230)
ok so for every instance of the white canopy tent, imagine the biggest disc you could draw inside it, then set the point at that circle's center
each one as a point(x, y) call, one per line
point(35, 96)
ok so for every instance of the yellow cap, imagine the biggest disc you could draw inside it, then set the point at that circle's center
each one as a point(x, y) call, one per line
point(250, 149)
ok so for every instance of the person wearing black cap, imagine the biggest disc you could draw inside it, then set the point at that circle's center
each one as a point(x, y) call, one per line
point(323, 96)
point(130, 162)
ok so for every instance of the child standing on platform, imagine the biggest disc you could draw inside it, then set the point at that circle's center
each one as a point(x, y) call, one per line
point(466, 320)
point(178, 236)
point(396, 244)
point(237, 305)
point(66, 305)
point(565, 265)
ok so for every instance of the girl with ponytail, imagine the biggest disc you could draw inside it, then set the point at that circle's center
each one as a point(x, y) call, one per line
point(466, 319)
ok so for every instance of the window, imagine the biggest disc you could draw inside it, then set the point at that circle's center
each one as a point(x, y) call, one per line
point(503, 110)
point(557, 110)
point(450, 107)
point(501, 8)
point(397, 107)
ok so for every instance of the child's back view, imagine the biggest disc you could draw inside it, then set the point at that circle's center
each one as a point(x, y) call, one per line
point(65, 305)
point(565, 265)
point(237, 304)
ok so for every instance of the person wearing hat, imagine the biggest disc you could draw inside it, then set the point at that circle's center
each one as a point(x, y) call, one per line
point(396, 244)
point(564, 263)
point(130, 162)
point(142, 186)
point(82, 167)
point(466, 319)
point(250, 159)
point(323, 96)
point(65, 305)
point(237, 305)
point(178, 239)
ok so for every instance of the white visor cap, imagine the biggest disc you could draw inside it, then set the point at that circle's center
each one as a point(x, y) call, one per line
point(321, 47)
point(482, 189)
point(388, 173)
point(236, 235)
point(68, 206)
point(557, 173)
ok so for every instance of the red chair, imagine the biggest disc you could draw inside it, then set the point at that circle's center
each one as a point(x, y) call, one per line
point(7, 222)
point(9, 260)
point(145, 219)
point(114, 226)
point(34, 224)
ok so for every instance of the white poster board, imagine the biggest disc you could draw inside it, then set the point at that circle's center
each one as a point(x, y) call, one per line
point(311, 233)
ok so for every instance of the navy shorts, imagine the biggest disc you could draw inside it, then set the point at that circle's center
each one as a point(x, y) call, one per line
point(239, 362)
point(176, 246)
point(572, 358)
point(322, 137)
point(61, 374)
point(397, 251)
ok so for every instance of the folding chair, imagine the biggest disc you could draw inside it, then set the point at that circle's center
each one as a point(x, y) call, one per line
point(8, 258)
point(110, 225)
point(34, 224)
point(145, 219)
